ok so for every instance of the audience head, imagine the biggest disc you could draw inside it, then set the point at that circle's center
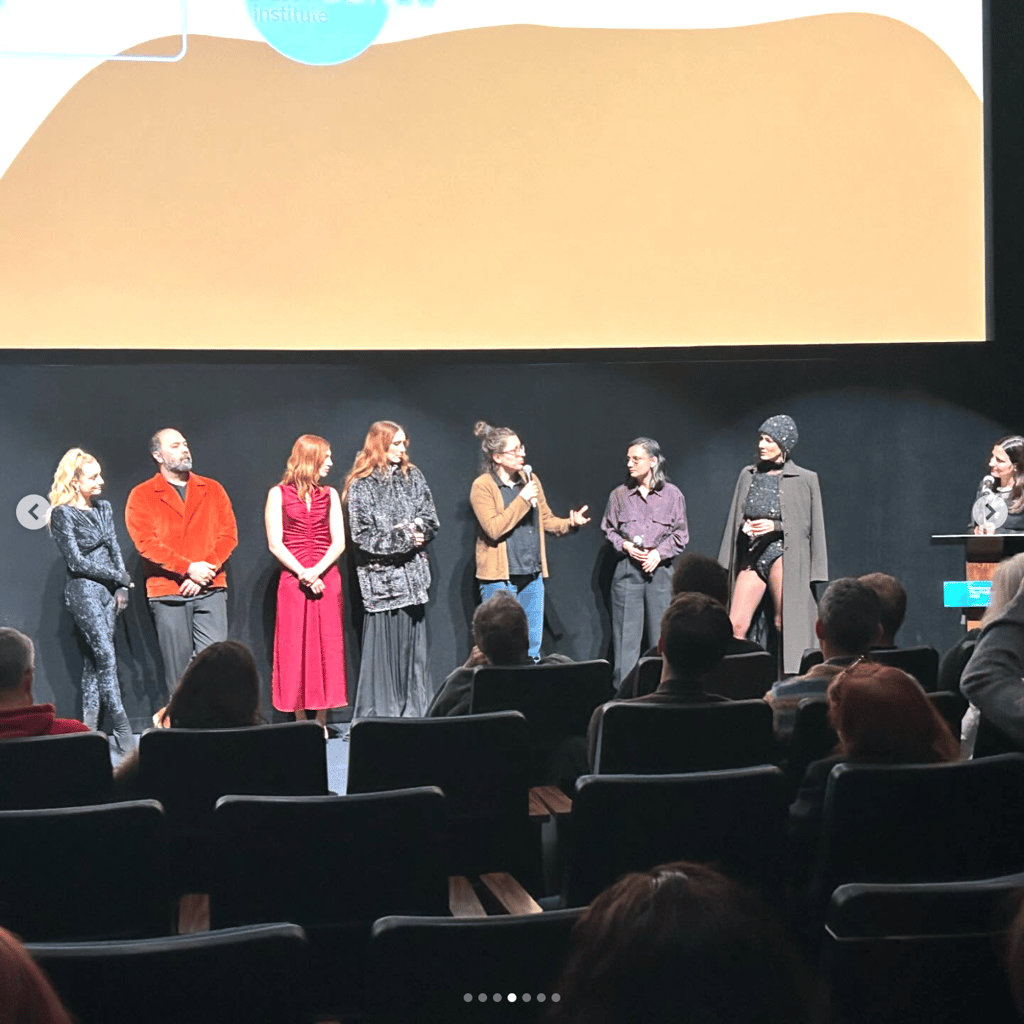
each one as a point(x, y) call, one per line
point(848, 618)
point(17, 663)
point(892, 599)
point(1006, 581)
point(699, 574)
point(882, 715)
point(501, 631)
point(681, 943)
point(26, 996)
point(695, 631)
point(219, 690)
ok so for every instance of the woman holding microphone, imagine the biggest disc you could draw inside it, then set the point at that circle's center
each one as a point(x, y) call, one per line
point(513, 515)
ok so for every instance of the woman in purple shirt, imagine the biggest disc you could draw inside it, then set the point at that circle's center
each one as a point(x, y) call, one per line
point(645, 522)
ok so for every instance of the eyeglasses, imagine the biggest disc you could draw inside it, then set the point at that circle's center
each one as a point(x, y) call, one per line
point(638, 458)
point(519, 448)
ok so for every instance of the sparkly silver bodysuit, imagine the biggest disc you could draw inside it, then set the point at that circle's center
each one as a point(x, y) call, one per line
point(763, 502)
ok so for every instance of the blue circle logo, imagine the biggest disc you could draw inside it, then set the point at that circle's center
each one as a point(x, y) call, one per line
point(319, 31)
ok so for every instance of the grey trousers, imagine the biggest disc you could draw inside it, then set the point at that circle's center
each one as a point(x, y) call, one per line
point(639, 600)
point(184, 626)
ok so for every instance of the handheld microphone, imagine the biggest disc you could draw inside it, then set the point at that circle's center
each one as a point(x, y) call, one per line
point(988, 482)
point(418, 523)
point(528, 474)
point(638, 541)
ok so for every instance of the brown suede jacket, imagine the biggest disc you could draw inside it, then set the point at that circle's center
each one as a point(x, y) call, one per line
point(497, 522)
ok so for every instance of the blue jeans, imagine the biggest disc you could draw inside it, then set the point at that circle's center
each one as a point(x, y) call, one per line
point(529, 592)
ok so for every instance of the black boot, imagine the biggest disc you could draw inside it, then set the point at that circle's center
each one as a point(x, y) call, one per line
point(124, 738)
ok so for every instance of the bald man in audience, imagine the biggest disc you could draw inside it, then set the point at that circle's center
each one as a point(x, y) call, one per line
point(19, 714)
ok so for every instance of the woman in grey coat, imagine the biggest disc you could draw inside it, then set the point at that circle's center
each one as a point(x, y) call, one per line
point(391, 517)
point(774, 542)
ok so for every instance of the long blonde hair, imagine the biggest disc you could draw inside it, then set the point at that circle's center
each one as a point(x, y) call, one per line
point(69, 469)
point(303, 469)
point(374, 453)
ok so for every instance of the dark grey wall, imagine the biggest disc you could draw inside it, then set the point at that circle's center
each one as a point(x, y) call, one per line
point(899, 459)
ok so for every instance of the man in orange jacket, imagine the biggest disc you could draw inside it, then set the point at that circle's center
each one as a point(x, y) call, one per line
point(184, 528)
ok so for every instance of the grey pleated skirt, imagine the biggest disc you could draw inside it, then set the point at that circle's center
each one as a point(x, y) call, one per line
point(393, 677)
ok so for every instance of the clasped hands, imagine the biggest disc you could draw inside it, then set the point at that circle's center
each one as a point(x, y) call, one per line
point(647, 558)
point(758, 527)
point(198, 576)
point(310, 578)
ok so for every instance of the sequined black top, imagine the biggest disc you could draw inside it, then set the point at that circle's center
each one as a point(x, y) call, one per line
point(87, 540)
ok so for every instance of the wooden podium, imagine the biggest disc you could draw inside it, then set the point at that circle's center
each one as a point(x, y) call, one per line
point(982, 553)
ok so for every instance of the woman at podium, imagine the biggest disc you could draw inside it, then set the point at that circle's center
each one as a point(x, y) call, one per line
point(1006, 478)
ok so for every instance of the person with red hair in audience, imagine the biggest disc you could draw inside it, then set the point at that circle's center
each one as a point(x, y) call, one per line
point(881, 716)
point(392, 518)
point(26, 995)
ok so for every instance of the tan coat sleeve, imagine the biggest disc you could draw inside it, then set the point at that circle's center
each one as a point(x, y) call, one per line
point(551, 523)
point(495, 520)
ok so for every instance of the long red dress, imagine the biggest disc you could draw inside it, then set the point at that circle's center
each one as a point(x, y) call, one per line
point(309, 642)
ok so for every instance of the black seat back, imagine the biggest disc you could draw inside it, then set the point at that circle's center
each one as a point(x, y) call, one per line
point(68, 770)
point(332, 864)
point(640, 738)
point(256, 974)
point(734, 819)
point(812, 737)
point(478, 761)
point(93, 872)
point(921, 823)
point(921, 662)
point(188, 770)
point(742, 676)
point(920, 953)
point(420, 968)
point(556, 700)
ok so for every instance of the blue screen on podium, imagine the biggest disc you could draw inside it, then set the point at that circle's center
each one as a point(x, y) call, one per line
point(966, 594)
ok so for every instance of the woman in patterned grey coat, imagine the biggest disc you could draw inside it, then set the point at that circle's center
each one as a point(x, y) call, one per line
point(82, 524)
point(392, 518)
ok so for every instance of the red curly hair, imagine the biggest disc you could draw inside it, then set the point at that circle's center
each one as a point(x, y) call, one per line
point(303, 468)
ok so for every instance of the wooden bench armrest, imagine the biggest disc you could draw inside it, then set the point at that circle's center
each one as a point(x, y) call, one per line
point(510, 894)
point(553, 798)
point(462, 901)
point(539, 810)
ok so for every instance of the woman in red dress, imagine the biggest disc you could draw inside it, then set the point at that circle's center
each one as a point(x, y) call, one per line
point(306, 534)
